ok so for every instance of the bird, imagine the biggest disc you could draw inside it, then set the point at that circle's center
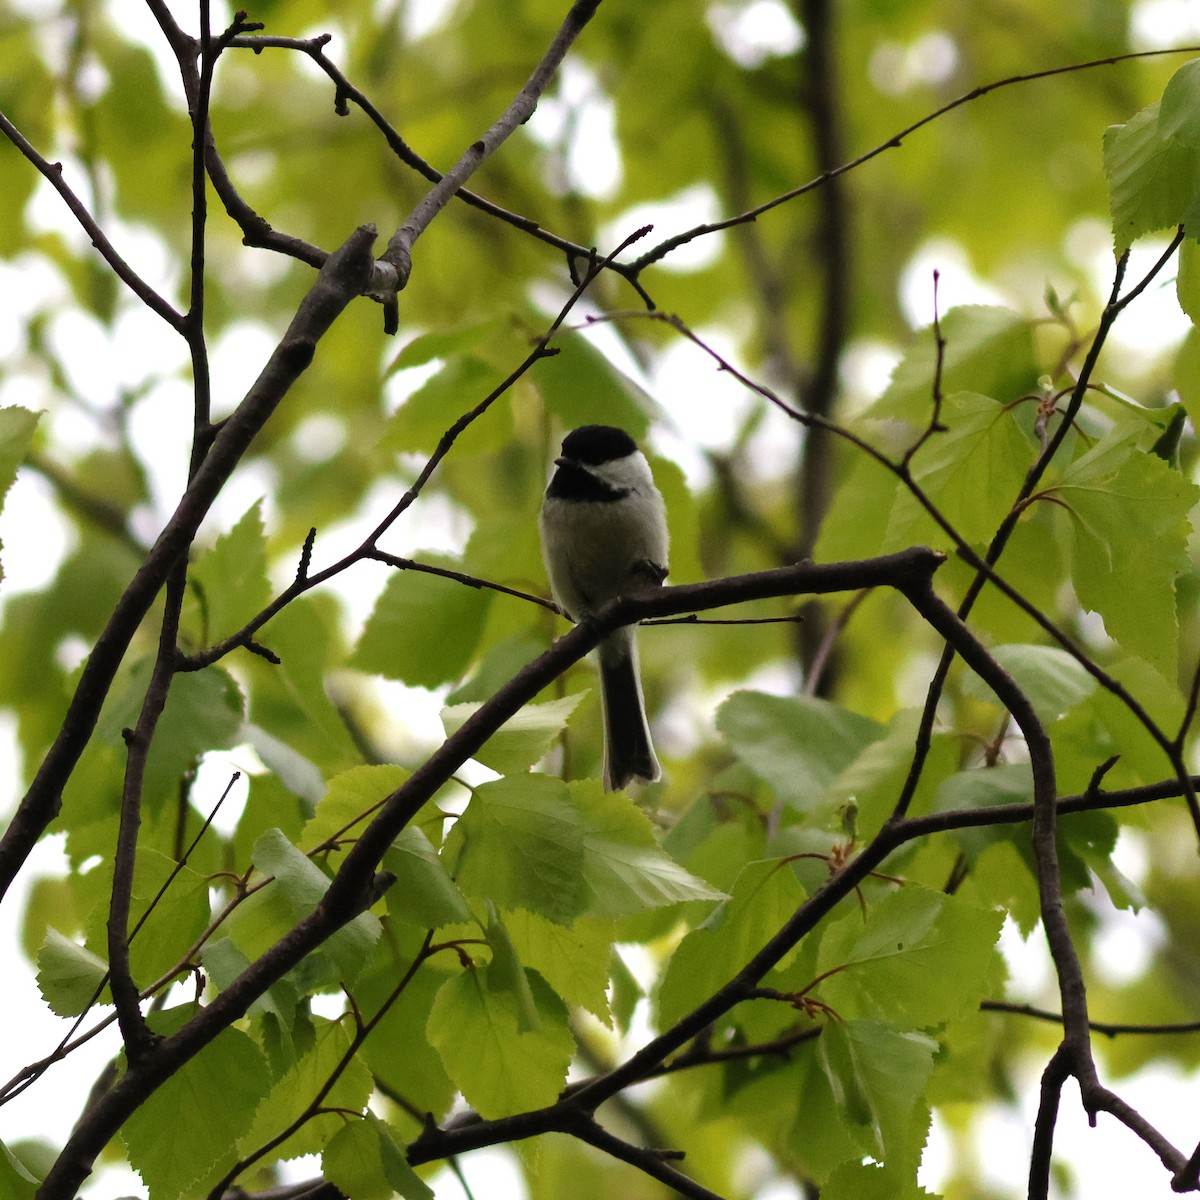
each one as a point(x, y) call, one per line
point(603, 527)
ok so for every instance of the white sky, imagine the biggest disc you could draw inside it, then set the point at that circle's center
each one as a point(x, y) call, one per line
point(1104, 1162)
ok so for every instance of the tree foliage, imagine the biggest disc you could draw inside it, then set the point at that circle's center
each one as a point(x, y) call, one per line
point(928, 656)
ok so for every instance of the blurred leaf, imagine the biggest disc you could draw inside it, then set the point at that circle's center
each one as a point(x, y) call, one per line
point(1050, 678)
point(989, 352)
point(581, 387)
point(424, 629)
point(231, 579)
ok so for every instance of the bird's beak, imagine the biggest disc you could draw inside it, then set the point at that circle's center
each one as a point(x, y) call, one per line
point(560, 462)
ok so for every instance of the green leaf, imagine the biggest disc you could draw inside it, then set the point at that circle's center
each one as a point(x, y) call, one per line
point(68, 974)
point(523, 738)
point(520, 843)
point(872, 1181)
point(423, 894)
point(796, 744)
point(1052, 680)
point(398, 1052)
point(443, 344)
point(365, 1160)
point(920, 959)
point(1129, 514)
point(625, 871)
point(16, 1183)
point(213, 1097)
point(203, 712)
point(1179, 109)
point(290, 701)
point(499, 1069)
point(302, 883)
point(292, 1094)
point(459, 386)
point(972, 473)
point(878, 1076)
point(765, 895)
point(231, 579)
point(988, 351)
point(350, 801)
point(1187, 278)
point(16, 432)
point(1151, 178)
point(574, 960)
point(505, 974)
point(424, 629)
point(581, 387)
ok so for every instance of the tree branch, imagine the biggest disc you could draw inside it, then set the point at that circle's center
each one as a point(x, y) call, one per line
point(339, 281)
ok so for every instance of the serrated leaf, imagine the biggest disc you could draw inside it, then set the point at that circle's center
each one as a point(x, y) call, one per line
point(625, 870)
point(873, 1181)
point(16, 431)
point(988, 350)
point(302, 883)
point(523, 738)
point(921, 958)
point(1151, 178)
point(505, 973)
point(796, 744)
point(1179, 109)
point(424, 628)
point(1187, 278)
point(765, 895)
point(295, 1090)
point(1130, 529)
point(68, 974)
point(365, 1160)
point(350, 800)
point(520, 843)
point(574, 960)
point(231, 578)
point(423, 894)
point(498, 1069)
point(213, 1097)
point(1051, 679)
point(972, 473)
point(878, 1076)
point(203, 712)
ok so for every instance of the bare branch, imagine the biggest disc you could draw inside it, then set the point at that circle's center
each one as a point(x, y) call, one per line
point(337, 284)
point(53, 173)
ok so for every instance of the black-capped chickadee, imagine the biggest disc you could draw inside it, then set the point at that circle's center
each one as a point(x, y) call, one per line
point(604, 533)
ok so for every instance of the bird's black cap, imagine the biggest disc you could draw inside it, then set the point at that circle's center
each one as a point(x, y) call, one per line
point(596, 444)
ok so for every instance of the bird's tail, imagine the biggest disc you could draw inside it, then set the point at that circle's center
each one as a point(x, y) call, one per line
point(628, 751)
